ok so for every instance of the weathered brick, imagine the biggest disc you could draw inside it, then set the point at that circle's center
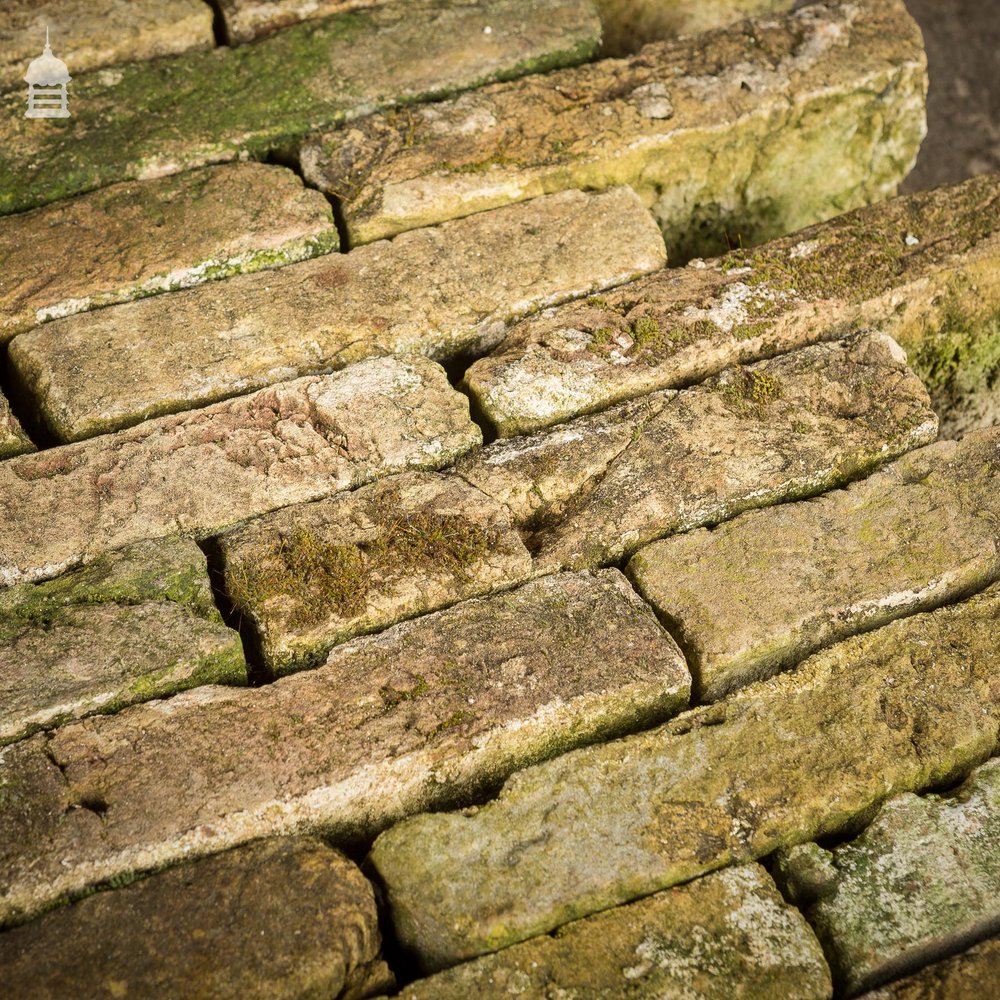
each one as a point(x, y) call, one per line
point(204, 471)
point(759, 593)
point(752, 131)
point(87, 34)
point(248, 19)
point(133, 625)
point(962, 977)
point(925, 269)
point(727, 936)
point(135, 239)
point(790, 759)
point(159, 117)
point(108, 369)
point(630, 24)
point(282, 918)
point(13, 440)
point(428, 713)
point(599, 487)
point(919, 883)
point(308, 577)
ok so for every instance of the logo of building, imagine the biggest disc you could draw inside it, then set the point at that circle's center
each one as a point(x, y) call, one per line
point(47, 77)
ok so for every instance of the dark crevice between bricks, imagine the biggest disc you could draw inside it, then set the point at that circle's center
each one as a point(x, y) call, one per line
point(455, 368)
point(257, 672)
point(218, 23)
point(23, 407)
point(340, 221)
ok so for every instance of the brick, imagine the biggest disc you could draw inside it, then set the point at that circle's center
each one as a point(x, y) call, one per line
point(630, 24)
point(248, 19)
point(925, 269)
point(87, 34)
point(756, 595)
point(13, 440)
point(282, 918)
point(104, 370)
point(922, 881)
point(163, 116)
point(790, 759)
point(134, 624)
point(308, 577)
point(752, 131)
point(727, 936)
point(201, 472)
point(426, 714)
point(961, 977)
point(599, 487)
point(136, 239)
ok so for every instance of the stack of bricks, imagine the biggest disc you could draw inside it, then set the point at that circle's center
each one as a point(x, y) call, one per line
point(556, 526)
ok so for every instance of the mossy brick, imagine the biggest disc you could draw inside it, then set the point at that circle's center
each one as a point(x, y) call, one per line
point(147, 119)
point(761, 592)
point(803, 755)
point(286, 918)
point(199, 473)
point(631, 24)
point(961, 977)
point(135, 624)
point(732, 137)
point(13, 440)
point(87, 34)
point(727, 936)
point(597, 488)
point(427, 714)
point(142, 237)
point(921, 882)
point(100, 371)
point(308, 577)
point(925, 269)
point(245, 20)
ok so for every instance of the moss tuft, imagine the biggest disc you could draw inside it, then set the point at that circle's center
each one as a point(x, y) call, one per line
point(749, 393)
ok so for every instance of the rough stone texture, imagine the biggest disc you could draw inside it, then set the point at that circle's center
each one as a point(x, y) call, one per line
point(108, 369)
point(278, 920)
point(630, 24)
point(133, 625)
point(757, 594)
point(962, 977)
point(425, 714)
point(919, 883)
point(200, 472)
point(247, 19)
point(87, 34)
point(599, 487)
point(747, 133)
point(924, 269)
point(159, 117)
point(787, 760)
point(13, 440)
point(308, 577)
point(139, 238)
point(727, 936)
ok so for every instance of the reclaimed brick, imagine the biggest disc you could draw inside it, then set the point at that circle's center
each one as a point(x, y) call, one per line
point(759, 593)
point(308, 577)
point(136, 239)
point(922, 881)
point(108, 369)
point(201, 472)
point(961, 977)
point(13, 440)
point(87, 34)
point(599, 487)
point(278, 919)
point(630, 24)
point(148, 119)
point(423, 715)
point(752, 131)
point(727, 936)
point(793, 758)
point(925, 269)
point(134, 624)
